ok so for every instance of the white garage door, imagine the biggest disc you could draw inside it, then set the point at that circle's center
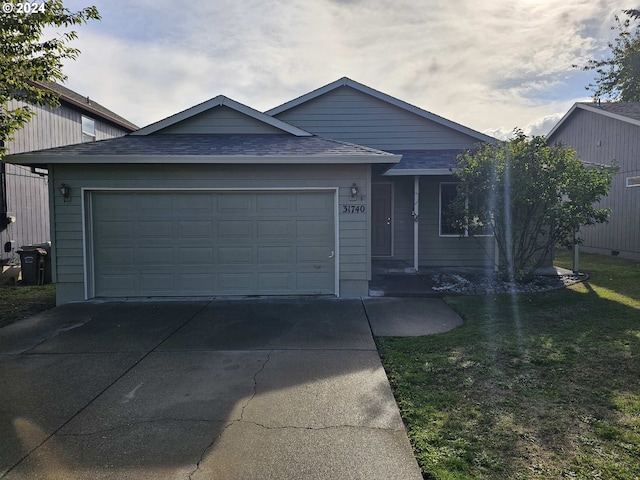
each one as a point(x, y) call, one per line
point(206, 243)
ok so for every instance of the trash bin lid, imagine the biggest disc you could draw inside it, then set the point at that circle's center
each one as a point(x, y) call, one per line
point(40, 251)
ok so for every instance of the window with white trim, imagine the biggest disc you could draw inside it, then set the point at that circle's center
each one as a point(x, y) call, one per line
point(633, 181)
point(88, 129)
point(448, 193)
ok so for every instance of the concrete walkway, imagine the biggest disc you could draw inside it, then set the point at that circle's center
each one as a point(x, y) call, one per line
point(225, 389)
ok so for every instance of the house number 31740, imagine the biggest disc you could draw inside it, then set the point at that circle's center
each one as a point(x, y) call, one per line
point(354, 208)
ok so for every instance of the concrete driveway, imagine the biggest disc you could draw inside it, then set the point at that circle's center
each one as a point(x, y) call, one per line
point(194, 389)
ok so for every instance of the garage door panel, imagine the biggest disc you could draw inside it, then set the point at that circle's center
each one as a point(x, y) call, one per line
point(234, 229)
point(275, 283)
point(235, 203)
point(274, 228)
point(156, 283)
point(311, 255)
point(234, 283)
point(314, 202)
point(154, 230)
point(213, 243)
point(117, 284)
point(275, 255)
point(117, 205)
point(114, 230)
point(157, 256)
point(118, 256)
point(195, 256)
point(152, 202)
point(195, 229)
point(274, 204)
point(194, 284)
point(313, 228)
point(235, 256)
point(312, 281)
point(194, 203)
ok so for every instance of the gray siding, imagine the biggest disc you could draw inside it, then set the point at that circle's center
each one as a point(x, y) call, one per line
point(437, 251)
point(68, 237)
point(221, 120)
point(56, 128)
point(27, 193)
point(609, 141)
point(350, 115)
point(27, 200)
point(434, 250)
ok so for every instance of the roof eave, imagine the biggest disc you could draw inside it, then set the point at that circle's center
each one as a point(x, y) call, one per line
point(591, 109)
point(26, 159)
point(418, 171)
point(89, 109)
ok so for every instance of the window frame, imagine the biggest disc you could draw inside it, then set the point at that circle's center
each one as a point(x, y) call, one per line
point(88, 134)
point(441, 211)
point(464, 232)
point(633, 182)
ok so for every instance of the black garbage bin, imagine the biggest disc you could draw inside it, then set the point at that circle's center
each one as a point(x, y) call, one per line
point(47, 258)
point(32, 264)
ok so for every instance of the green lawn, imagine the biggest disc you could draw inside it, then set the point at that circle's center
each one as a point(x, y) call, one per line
point(18, 301)
point(535, 386)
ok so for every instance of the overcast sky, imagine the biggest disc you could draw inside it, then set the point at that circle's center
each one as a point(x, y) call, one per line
point(491, 65)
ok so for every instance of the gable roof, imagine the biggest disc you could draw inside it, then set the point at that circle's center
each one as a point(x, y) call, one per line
point(87, 105)
point(203, 148)
point(345, 81)
point(220, 101)
point(628, 112)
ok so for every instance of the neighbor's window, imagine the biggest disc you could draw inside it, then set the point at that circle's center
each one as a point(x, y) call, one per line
point(448, 193)
point(88, 129)
point(633, 181)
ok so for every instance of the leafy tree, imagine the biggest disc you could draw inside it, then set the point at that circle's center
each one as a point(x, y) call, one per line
point(27, 58)
point(530, 196)
point(619, 75)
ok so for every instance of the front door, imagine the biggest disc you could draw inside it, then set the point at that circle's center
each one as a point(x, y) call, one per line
point(381, 195)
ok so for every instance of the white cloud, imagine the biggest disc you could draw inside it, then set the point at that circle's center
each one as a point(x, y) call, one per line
point(489, 65)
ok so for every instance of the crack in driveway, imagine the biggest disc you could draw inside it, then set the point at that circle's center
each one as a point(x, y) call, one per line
point(239, 420)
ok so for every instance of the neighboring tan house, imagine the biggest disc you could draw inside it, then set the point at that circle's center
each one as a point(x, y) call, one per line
point(24, 192)
point(221, 199)
point(609, 134)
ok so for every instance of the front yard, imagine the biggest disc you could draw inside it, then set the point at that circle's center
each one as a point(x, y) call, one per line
point(18, 301)
point(533, 386)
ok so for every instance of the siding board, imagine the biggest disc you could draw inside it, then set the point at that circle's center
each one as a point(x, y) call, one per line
point(350, 115)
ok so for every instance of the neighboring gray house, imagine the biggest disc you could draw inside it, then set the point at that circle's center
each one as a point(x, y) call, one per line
point(24, 193)
point(609, 134)
point(221, 199)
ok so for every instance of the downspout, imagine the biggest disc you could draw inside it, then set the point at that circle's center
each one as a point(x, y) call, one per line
point(4, 221)
point(576, 254)
point(415, 213)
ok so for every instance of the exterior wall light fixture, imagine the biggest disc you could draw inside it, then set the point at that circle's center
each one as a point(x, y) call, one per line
point(354, 192)
point(65, 191)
